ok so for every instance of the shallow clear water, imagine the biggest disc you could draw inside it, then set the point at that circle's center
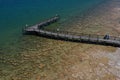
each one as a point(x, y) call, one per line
point(15, 14)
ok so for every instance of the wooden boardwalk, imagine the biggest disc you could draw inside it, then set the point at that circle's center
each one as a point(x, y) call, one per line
point(70, 36)
point(42, 24)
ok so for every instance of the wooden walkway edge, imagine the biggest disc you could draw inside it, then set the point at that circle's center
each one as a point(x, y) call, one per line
point(70, 36)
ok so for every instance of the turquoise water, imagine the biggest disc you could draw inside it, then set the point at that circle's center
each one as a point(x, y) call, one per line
point(15, 14)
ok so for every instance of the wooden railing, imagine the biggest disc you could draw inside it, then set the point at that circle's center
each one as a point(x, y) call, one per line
point(79, 37)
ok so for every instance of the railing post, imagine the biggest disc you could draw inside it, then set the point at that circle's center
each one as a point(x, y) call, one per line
point(38, 31)
point(23, 30)
point(114, 38)
point(49, 34)
point(97, 38)
point(44, 33)
point(89, 37)
point(57, 34)
point(66, 35)
point(80, 38)
point(71, 37)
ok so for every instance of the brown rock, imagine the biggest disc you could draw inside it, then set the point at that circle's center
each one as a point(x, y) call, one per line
point(41, 65)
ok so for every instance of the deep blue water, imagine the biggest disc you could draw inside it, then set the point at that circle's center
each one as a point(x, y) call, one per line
point(14, 14)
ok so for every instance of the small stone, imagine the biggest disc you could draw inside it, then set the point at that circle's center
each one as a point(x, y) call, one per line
point(41, 65)
point(38, 78)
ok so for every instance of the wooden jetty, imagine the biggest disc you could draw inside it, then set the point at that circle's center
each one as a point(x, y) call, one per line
point(41, 25)
point(70, 36)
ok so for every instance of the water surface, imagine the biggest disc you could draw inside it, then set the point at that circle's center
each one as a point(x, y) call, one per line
point(15, 14)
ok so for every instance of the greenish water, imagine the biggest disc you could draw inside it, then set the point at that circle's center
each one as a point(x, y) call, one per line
point(15, 14)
